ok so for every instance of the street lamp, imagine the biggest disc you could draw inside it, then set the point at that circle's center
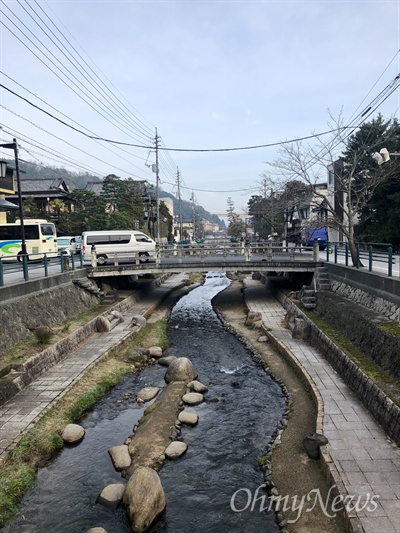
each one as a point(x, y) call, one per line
point(383, 156)
point(14, 146)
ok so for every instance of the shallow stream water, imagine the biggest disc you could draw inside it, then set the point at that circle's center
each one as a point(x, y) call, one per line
point(211, 487)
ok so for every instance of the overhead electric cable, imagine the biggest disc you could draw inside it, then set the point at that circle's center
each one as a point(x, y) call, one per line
point(172, 149)
point(80, 90)
point(63, 49)
point(149, 130)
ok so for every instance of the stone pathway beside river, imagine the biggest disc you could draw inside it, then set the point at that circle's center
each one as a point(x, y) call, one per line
point(366, 459)
point(17, 415)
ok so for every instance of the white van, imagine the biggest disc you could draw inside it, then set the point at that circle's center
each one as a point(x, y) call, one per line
point(125, 243)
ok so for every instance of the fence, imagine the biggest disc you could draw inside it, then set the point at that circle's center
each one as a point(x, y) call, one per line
point(368, 252)
point(31, 268)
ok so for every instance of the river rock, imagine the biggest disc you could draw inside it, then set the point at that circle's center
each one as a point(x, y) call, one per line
point(192, 398)
point(73, 433)
point(148, 393)
point(138, 320)
point(301, 329)
point(111, 495)
point(102, 324)
point(188, 418)
point(155, 351)
point(144, 498)
point(97, 530)
point(197, 386)
point(166, 361)
point(175, 449)
point(312, 443)
point(181, 369)
point(120, 457)
point(263, 338)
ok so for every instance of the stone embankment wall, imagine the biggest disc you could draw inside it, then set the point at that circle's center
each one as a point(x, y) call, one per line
point(375, 400)
point(20, 316)
point(362, 327)
point(377, 303)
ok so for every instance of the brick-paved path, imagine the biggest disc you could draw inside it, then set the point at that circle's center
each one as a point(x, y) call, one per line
point(18, 413)
point(366, 459)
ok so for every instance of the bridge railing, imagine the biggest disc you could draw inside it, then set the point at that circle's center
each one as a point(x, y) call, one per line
point(177, 252)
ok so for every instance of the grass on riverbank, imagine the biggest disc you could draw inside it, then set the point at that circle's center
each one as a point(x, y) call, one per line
point(41, 443)
point(30, 346)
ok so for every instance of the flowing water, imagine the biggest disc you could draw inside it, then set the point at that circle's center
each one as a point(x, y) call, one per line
point(210, 488)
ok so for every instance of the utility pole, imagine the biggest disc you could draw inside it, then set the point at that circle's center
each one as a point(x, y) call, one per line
point(157, 189)
point(178, 181)
point(194, 216)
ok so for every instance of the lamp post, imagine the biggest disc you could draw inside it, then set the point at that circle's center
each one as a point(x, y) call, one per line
point(14, 146)
point(383, 156)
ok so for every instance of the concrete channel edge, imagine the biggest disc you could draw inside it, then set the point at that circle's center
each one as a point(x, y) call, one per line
point(352, 522)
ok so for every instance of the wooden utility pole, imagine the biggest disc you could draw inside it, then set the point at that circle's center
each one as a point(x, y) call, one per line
point(178, 181)
point(157, 188)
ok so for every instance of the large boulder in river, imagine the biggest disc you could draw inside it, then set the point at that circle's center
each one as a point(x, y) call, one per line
point(111, 495)
point(144, 498)
point(181, 369)
point(73, 433)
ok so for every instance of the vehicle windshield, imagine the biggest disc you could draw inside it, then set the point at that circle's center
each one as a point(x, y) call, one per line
point(63, 242)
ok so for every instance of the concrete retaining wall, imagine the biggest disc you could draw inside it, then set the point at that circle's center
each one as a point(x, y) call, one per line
point(27, 372)
point(46, 302)
point(376, 291)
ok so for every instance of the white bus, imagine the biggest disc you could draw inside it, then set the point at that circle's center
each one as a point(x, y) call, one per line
point(124, 244)
point(40, 238)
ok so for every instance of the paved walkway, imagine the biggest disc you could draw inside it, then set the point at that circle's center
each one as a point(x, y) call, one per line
point(366, 459)
point(22, 410)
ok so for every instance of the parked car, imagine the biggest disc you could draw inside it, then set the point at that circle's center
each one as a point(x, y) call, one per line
point(66, 245)
point(310, 234)
point(78, 242)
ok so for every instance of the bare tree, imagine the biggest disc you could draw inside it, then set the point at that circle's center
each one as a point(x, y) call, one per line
point(346, 162)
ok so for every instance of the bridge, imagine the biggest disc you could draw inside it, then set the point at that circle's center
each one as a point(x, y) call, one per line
point(233, 257)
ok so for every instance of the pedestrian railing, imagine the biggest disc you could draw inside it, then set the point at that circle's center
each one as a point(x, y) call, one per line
point(29, 268)
point(366, 253)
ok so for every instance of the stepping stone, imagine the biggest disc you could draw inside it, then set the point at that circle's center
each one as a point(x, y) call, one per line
point(148, 393)
point(190, 419)
point(120, 457)
point(192, 398)
point(175, 449)
point(197, 386)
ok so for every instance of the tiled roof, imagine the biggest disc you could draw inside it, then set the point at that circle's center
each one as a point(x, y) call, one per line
point(36, 186)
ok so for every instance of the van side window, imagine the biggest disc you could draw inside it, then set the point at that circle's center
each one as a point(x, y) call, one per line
point(108, 239)
point(142, 238)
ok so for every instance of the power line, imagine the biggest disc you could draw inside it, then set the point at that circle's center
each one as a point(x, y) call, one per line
point(79, 86)
point(173, 149)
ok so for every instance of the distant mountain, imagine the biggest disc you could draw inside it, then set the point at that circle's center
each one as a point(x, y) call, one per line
point(72, 179)
point(78, 180)
point(187, 210)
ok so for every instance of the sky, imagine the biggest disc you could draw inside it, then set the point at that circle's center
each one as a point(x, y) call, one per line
point(204, 75)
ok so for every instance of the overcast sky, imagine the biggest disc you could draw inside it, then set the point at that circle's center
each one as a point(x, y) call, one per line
point(207, 74)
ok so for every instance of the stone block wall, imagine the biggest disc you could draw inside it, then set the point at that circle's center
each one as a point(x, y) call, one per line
point(386, 412)
point(361, 326)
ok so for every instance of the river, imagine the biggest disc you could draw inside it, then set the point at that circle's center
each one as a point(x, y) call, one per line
point(211, 487)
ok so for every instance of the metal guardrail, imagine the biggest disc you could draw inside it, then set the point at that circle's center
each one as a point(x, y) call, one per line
point(23, 263)
point(367, 252)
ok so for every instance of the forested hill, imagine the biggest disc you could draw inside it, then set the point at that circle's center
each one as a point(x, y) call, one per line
point(80, 180)
point(39, 172)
